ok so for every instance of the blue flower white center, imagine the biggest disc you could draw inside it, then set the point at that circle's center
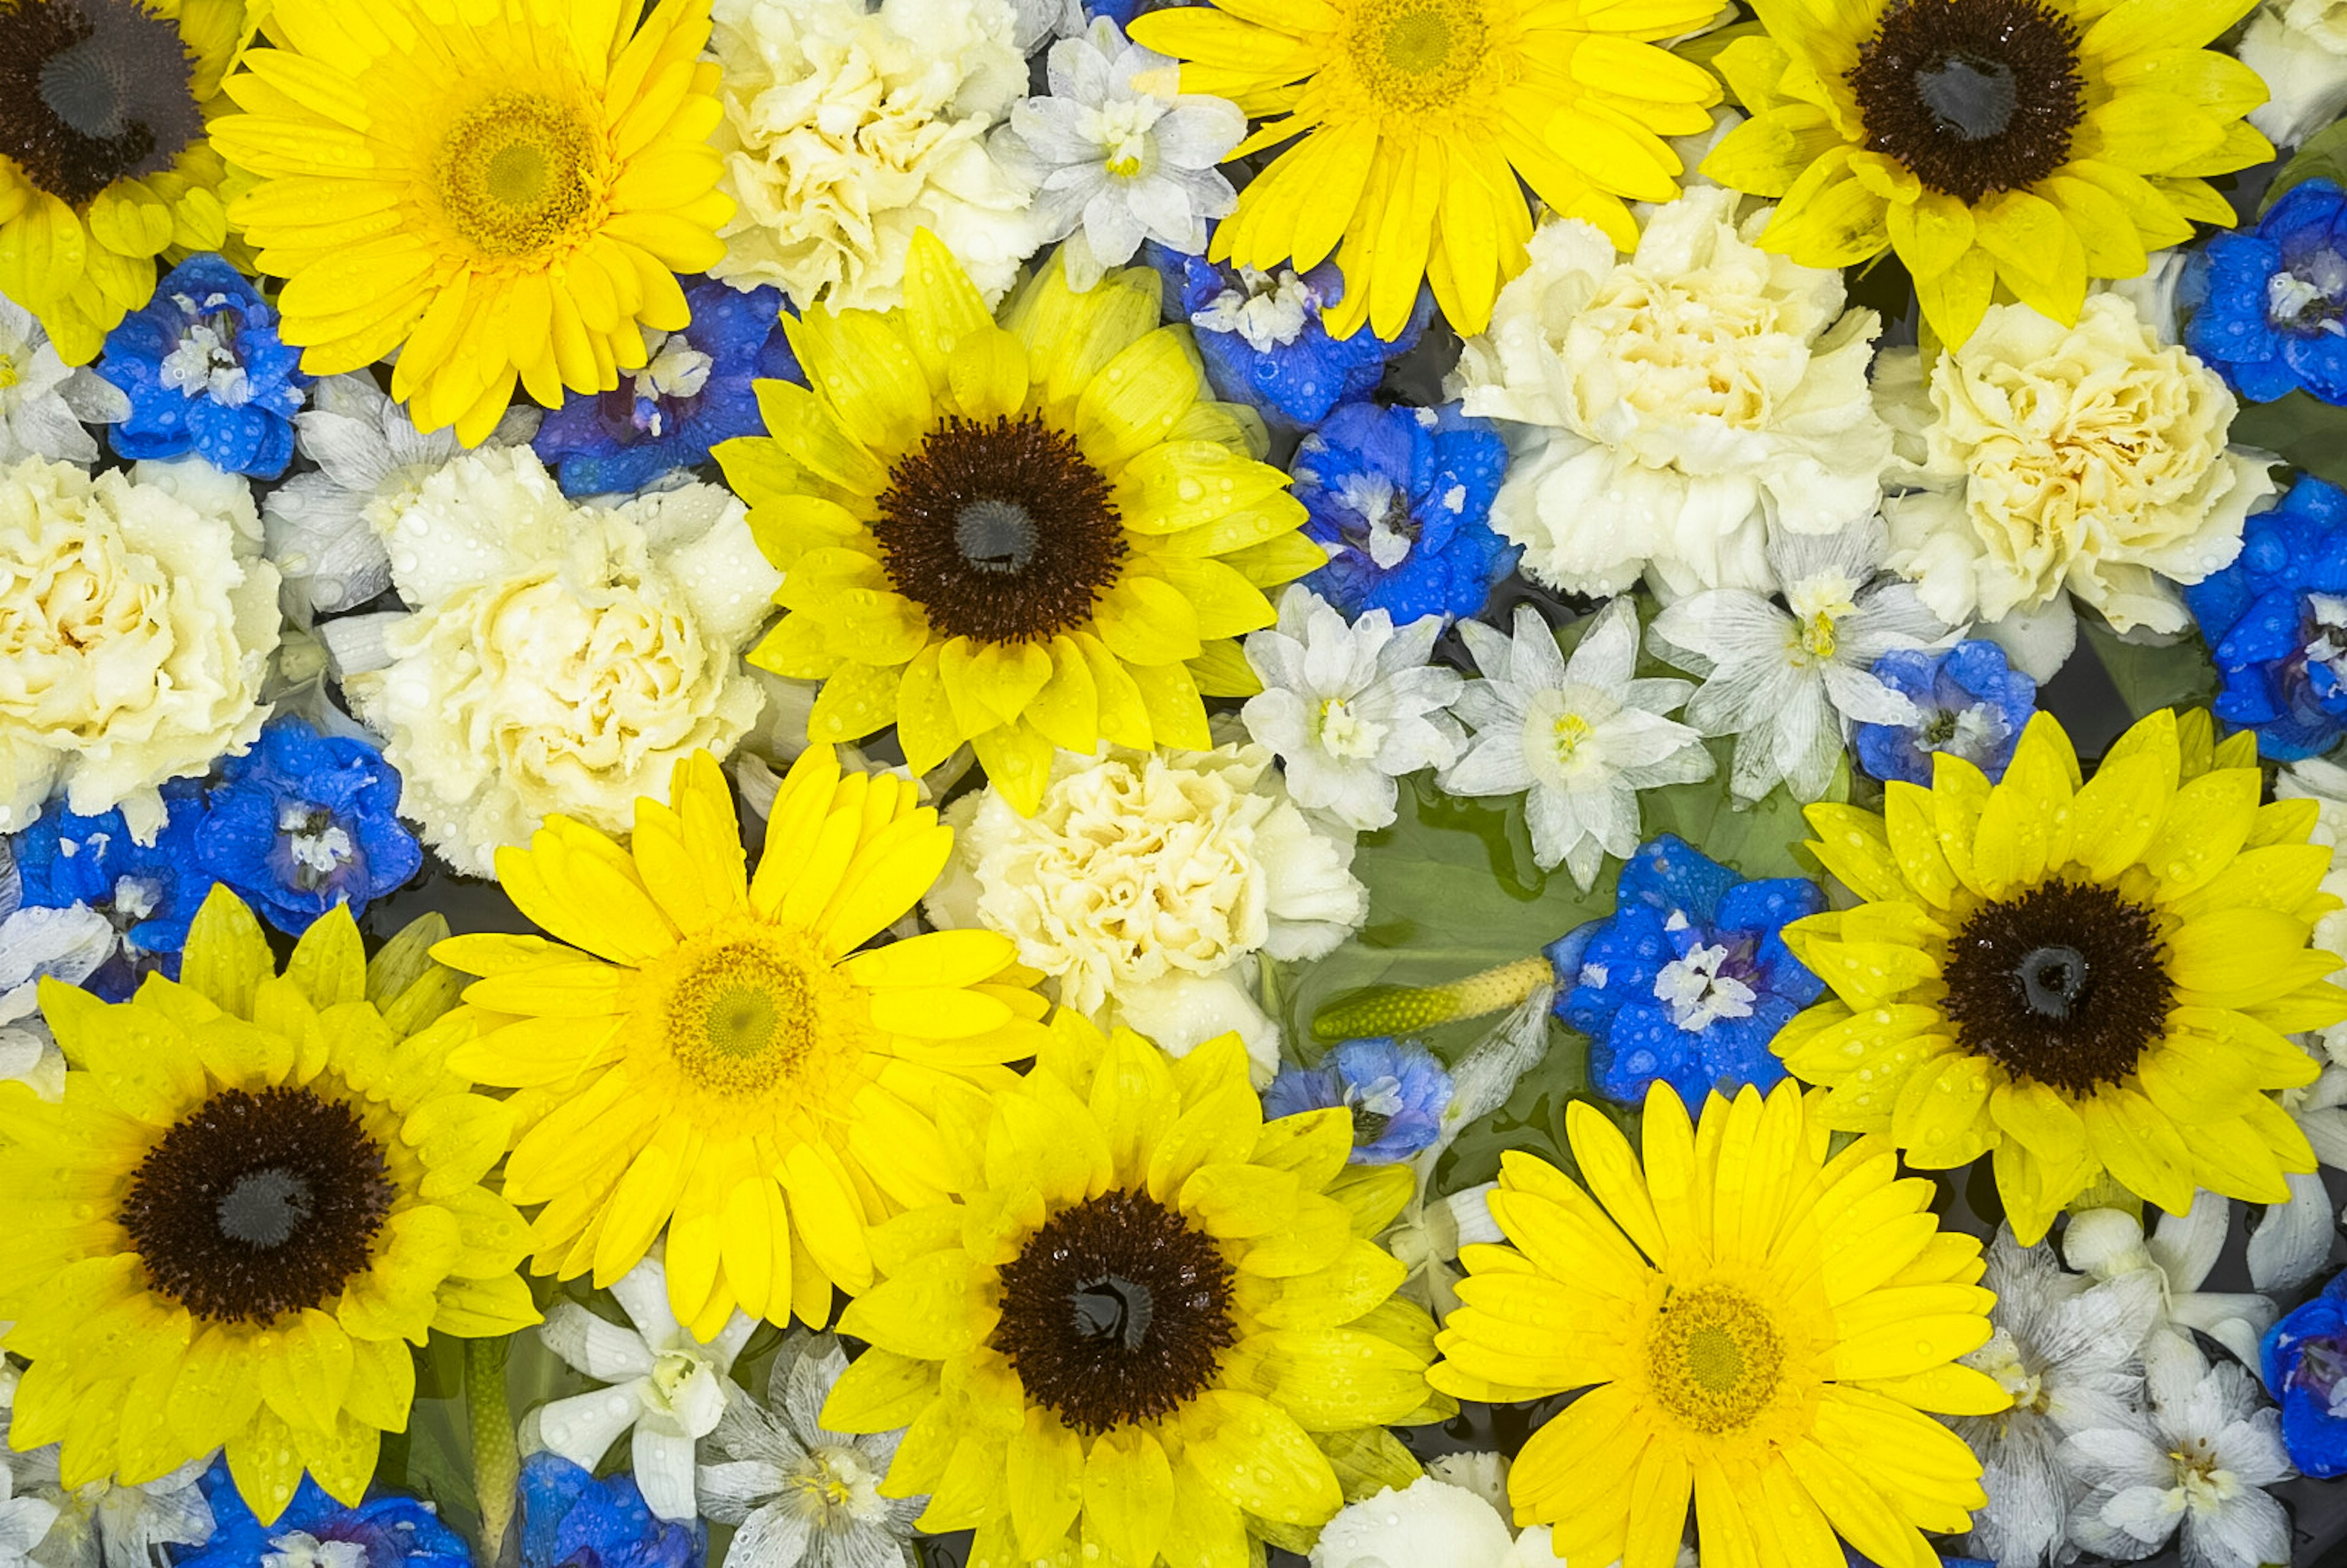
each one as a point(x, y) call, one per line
point(2322, 1370)
point(1971, 733)
point(1386, 530)
point(1345, 734)
point(1696, 993)
point(1564, 743)
point(204, 363)
point(1819, 603)
point(135, 899)
point(1268, 312)
point(2309, 296)
point(316, 843)
point(299, 1549)
point(675, 372)
point(2326, 643)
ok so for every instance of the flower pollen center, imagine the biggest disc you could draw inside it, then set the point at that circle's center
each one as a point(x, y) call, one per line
point(1714, 1359)
point(519, 175)
point(1116, 1311)
point(93, 91)
point(1418, 55)
point(1973, 97)
point(1345, 733)
point(2065, 984)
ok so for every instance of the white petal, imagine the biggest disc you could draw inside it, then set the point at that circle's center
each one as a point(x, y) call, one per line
point(773, 1538)
point(2291, 1241)
point(664, 1473)
point(603, 1350)
point(2185, 1246)
point(583, 1426)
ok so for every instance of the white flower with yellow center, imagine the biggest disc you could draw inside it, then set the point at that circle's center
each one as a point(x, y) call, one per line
point(1349, 708)
point(798, 1494)
point(1579, 739)
point(1789, 679)
point(43, 404)
point(668, 1387)
point(1118, 155)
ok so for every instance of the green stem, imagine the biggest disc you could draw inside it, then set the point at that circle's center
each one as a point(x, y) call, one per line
point(496, 1462)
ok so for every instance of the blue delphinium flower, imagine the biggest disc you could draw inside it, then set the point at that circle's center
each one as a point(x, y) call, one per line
point(1122, 12)
point(304, 821)
point(1397, 1093)
point(1969, 703)
point(206, 373)
point(571, 1520)
point(2276, 623)
point(2304, 1359)
point(1262, 341)
point(694, 391)
point(1401, 498)
point(2267, 307)
point(151, 891)
point(1689, 980)
point(388, 1530)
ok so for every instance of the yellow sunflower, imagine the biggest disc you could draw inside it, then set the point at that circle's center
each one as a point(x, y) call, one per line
point(2026, 144)
point(500, 190)
point(104, 163)
point(1036, 534)
point(2075, 977)
point(1151, 1324)
point(721, 1060)
point(1760, 1327)
point(1418, 117)
point(255, 1189)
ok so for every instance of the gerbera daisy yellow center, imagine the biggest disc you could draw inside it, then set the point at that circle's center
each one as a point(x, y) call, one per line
point(2065, 984)
point(1418, 55)
point(1973, 96)
point(1000, 531)
point(747, 1008)
point(255, 1206)
point(518, 175)
point(92, 91)
point(1116, 1311)
point(1714, 1357)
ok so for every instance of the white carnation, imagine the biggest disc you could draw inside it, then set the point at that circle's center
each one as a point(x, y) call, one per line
point(558, 657)
point(1666, 407)
point(2299, 48)
point(135, 625)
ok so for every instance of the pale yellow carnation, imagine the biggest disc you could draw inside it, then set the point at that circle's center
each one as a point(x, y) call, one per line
point(135, 623)
point(558, 658)
point(845, 131)
point(2045, 460)
point(1145, 881)
point(1663, 409)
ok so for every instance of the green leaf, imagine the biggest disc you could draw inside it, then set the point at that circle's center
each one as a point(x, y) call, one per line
point(2310, 432)
point(2323, 157)
point(2150, 677)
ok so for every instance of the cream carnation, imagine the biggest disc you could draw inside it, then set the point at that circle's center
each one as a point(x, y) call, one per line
point(2045, 460)
point(135, 625)
point(558, 658)
point(845, 131)
point(1664, 407)
point(1145, 881)
point(2299, 48)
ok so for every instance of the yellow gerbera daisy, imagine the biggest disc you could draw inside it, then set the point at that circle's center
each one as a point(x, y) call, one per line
point(500, 190)
point(105, 164)
point(720, 1059)
point(1758, 1326)
point(1418, 116)
point(2030, 144)
point(1154, 1322)
point(1036, 534)
point(2075, 978)
point(255, 1188)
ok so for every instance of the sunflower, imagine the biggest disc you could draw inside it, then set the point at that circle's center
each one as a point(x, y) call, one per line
point(720, 1059)
point(1152, 1320)
point(1021, 536)
point(2030, 144)
point(2076, 980)
point(104, 159)
point(1418, 117)
point(1758, 1326)
point(499, 190)
point(255, 1188)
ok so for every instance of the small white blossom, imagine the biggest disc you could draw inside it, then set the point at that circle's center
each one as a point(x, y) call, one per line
point(1787, 678)
point(669, 1386)
point(2214, 1447)
point(43, 404)
point(1118, 154)
point(1429, 1524)
point(797, 1492)
point(2065, 1349)
point(1582, 737)
point(2178, 1255)
point(1349, 709)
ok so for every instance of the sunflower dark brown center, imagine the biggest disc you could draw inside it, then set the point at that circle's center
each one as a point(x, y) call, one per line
point(1003, 532)
point(92, 91)
point(1973, 96)
point(2067, 985)
point(258, 1204)
point(1116, 1311)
